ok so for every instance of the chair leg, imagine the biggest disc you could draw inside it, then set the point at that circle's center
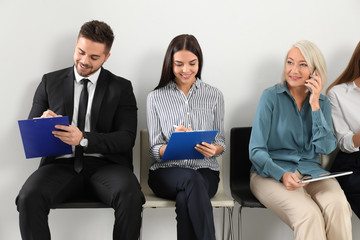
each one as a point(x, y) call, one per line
point(223, 227)
point(230, 211)
point(230, 232)
point(239, 224)
point(141, 226)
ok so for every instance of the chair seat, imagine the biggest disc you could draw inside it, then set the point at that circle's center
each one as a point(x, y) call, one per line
point(152, 201)
point(222, 200)
point(245, 197)
point(83, 202)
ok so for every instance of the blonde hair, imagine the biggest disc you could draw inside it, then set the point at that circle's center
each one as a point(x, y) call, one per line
point(313, 57)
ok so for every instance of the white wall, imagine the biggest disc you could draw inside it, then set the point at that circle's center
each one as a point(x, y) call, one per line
point(244, 44)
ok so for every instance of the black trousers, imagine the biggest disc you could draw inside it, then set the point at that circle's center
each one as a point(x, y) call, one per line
point(192, 190)
point(349, 183)
point(55, 183)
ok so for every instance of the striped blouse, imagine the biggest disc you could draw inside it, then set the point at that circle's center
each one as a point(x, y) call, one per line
point(201, 109)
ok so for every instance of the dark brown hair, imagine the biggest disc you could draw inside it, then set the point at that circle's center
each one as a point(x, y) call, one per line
point(182, 42)
point(98, 31)
point(351, 72)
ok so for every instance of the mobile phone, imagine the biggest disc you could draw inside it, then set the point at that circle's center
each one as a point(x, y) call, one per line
point(309, 89)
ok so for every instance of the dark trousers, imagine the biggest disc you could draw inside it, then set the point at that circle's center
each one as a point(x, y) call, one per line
point(349, 183)
point(55, 183)
point(192, 190)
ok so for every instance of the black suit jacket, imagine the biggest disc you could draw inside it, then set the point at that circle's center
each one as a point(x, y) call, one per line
point(113, 120)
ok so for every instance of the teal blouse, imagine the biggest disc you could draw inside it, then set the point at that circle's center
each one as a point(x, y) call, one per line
point(284, 139)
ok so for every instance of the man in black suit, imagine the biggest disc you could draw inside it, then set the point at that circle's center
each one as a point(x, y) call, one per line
point(103, 114)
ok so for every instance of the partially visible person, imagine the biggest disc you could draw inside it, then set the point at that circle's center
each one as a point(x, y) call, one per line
point(344, 95)
point(182, 99)
point(103, 114)
point(292, 126)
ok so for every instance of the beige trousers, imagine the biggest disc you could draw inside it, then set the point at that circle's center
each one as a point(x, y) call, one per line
point(318, 211)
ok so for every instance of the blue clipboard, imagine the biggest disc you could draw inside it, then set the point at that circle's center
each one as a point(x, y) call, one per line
point(181, 144)
point(38, 141)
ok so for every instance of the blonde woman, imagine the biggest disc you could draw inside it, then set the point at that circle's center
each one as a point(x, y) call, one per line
point(291, 128)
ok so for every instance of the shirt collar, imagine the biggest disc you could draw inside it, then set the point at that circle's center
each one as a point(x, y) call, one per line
point(351, 86)
point(281, 88)
point(196, 84)
point(93, 78)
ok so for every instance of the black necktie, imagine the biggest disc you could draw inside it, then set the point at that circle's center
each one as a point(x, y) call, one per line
point(78, 161)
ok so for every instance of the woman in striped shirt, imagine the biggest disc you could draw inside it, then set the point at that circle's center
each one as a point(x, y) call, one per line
point(182, 99)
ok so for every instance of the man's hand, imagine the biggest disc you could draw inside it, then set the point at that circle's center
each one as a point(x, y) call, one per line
point(291, 181)
point(70, 134)
point(49, 113)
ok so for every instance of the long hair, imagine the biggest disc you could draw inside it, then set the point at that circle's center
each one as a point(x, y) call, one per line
point(182, 42)
point(313, 57)
point(351, 72)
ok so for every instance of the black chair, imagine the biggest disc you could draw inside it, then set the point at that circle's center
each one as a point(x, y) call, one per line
point(81, 202)
point(240, 171)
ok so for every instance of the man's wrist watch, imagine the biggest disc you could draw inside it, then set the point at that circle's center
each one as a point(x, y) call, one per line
point(84, 141)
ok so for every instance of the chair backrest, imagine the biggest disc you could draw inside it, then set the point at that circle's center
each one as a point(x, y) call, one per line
point(221, 182)
point(328, 159)
point(145, 162)
point(239, 155)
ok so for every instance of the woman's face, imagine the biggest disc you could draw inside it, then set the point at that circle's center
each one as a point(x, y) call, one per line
point(185, 67)
point(296, 69)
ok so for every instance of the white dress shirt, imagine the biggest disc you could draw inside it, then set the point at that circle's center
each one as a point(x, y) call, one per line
point(78, 86)
point(345, 111)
